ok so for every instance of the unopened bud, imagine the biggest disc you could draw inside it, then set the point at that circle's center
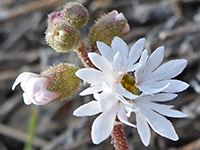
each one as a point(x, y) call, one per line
point(62, 79)
point(107, 27)
point(54, 18)
point(62, 37)
point(75, 14)
point(35, 89)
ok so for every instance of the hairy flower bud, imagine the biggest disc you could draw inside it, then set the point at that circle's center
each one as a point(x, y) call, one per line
point(107, 27)
point(75, 15)
point(62, 79)
point(62, 37)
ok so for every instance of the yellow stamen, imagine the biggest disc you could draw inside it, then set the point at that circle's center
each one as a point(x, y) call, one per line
point(128, 83)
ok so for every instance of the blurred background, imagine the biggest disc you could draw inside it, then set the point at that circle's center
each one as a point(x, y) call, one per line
point(172, 23)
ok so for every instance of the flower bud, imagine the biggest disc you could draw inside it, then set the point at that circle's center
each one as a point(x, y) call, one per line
point(107, 27)
point(35, 89)
point(54, 18)
point(62, 37)
point(56, 83)
point(62, 79)
point(75, 14)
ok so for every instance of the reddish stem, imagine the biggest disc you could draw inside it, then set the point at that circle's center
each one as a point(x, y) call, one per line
point(82, 53)
point(119, 139)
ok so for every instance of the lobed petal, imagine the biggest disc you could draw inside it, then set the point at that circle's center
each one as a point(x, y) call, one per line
point(166, 110)
point(168, 70)
point(103, 126)
point(155, 59)
point(143, 128)
point(136, 51)
point(119, 45)
point(160, 124)
point(105, 51)
point(139, 73)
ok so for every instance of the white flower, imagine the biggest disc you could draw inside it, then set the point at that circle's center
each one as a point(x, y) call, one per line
point(113, 65)
point(122, 86)
point(34, 88)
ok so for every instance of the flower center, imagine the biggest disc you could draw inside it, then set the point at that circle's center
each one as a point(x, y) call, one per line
point(128, 83)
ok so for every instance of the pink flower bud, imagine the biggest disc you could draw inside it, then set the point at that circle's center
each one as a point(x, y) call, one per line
point(54, 18)
point(35, 89)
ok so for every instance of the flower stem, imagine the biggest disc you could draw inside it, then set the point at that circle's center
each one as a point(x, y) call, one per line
point(31, 128)
point(119, 139)
point(82, 53)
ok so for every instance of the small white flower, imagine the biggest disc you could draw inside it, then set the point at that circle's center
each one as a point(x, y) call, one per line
point(122, 86)
point(34, 88)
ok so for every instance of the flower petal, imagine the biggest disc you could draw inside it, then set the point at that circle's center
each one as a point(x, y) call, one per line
point(168, 70)
point(175, 86)
point(136, 51)
point(103, 126)
point(90, 75)
point(117, 62)
point(166, 110)
point(100, 62)
point(91, 90)
point(23, 78)
point(87, 109)
point(105, 51)
point(152, 88)
point(155, 59)
point(27, 100)
point(143, 129)
point(140, 69)
point(123, 117)
point(35, 84)
point(160, 124)
point(43, 95)
point(161, 97)
point(119, 45)
point(106, 100)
